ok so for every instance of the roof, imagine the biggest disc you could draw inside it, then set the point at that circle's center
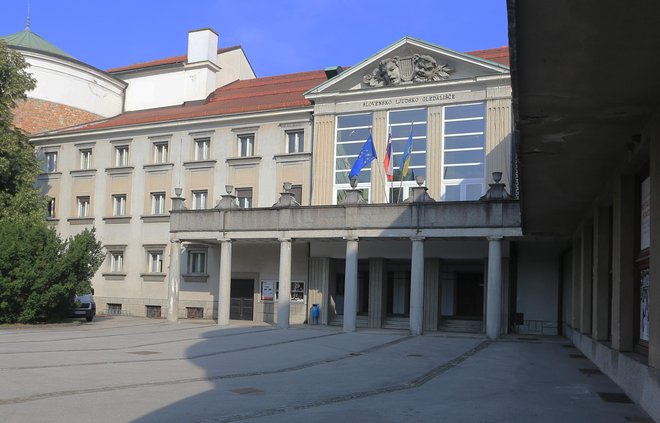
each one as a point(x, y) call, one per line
point(29, 40)
point(252, 95)
point(167, 61)
point(498, 55)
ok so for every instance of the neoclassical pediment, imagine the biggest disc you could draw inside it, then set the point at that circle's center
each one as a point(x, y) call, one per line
point(409, 62)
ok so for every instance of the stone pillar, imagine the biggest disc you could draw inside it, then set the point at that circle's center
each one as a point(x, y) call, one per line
point(654, 258)
point(417, 286)
point(600, 306)
point(224, 290)
point(283, 304)
point(376, 292)
point(623, 242)
point(350, 285)
point(174, 281)
point(494, 293)
point(575, 282)
point(319, 278)
point(586, 269)
point(431, 293)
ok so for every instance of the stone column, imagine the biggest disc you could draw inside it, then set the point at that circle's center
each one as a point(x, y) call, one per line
point(174, 281)
point(376, 292)
point(417, 286)
point(600, 312)
point(494, 293)
point(283, 303)
point(623, 242)
point(586, 270)
point(224, 291)
point(350, 284)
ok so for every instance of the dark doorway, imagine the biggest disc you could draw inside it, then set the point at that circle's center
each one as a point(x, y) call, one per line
point(398, 293)
point(242, 299)
point(470, 295)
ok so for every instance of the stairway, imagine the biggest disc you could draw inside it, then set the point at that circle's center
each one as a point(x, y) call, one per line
point(392, 322)
point(360, 321)
point(461, 325)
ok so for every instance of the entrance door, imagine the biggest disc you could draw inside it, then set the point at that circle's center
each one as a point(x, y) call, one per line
point(398, 293)
point(470, 295)
point(241, 299)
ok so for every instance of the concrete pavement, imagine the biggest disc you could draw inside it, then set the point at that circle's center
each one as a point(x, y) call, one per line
point(128, 369)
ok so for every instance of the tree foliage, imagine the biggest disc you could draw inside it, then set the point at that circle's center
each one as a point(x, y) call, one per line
point(39, 272)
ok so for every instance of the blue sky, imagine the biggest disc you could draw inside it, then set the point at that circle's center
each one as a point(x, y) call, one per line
point(278, 36)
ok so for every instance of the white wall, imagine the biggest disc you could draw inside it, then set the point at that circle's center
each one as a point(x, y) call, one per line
point(538, 279)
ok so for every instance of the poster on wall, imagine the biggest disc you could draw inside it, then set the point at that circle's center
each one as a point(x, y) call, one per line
point(644, 305)
point(267, 290)
point(645, 218)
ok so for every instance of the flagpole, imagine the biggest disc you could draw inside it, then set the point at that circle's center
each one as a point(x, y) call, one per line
point(408, 156)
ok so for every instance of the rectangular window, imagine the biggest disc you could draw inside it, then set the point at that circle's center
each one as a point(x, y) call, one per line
point(121, 155)
point(83, 207)
point(402, 125)
point(157, 203)
point(200, 199)
point(119, 205)
point(246, 145)
point(116, 261)
point(244, 196)
point(86, 158)
point(156, 261)
point(202, 148)
point(295, 142)
point(296, 190)
point(196, 262)
point(50, 210)
point(352, 133)
point(51, 161)
point(160, 152)
point(464, 152)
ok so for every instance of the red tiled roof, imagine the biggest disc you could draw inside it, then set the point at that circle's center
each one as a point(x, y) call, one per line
point(499, 55)
point(166, 61)
point(252, 95)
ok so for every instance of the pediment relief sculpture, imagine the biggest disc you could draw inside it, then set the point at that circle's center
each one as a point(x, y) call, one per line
point(397, 70)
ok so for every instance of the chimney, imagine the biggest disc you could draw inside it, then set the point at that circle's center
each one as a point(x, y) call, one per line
point(201, 69)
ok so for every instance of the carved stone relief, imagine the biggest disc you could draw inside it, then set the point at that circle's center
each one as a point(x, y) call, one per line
point(397, 70)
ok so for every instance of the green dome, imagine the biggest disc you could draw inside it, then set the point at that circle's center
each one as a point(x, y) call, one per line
point(29, 40)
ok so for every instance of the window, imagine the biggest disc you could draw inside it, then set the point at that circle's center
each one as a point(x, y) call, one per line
point(200, 199)
point(464, 152)
point(83, 207)
point(295, 142)
point(244, 196)
point(402, 125)
point(121, 155)
point(352, 132)
point(246, 145)
point(86, 158)
point(296, 190)
point(160, 152)
point(202, 148)
point(116, 261)
point(50, 210)
point(51, 162)
point(119, 205)
point(156, 261)
point(196, 262)
point(157, 203)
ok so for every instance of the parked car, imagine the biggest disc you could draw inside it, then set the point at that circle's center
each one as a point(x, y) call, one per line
point(85, 307)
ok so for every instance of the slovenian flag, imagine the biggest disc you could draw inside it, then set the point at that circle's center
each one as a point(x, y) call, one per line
point(388, 162)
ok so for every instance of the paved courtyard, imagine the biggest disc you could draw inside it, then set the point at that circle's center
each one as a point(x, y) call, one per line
point(125, 369)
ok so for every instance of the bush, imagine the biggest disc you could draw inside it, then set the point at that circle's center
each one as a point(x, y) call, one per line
point(40, 273)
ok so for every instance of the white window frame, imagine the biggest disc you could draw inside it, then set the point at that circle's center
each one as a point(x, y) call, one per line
point(119, 205)
point(50, 208)
point(197, 262)
point(298, 141)
point(200, 199)
point(248, 139)
point(160, 151)
point(121, 155)
point(50, 161)
point(85, 158)
point(347, 186)
point(84, 203)
point(158, 203)
point(116, 261)
point(240, 199)
point(202, 148)
point(464, 182)
point(155, 261)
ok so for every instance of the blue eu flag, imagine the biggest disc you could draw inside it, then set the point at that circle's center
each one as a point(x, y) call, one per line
point(367, 154)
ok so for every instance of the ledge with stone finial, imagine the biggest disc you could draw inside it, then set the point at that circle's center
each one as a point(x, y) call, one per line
point(178, 202)
point(353, 195)
point(496, 192)
point(419, 193)
point(228, 201)
point(287, 199)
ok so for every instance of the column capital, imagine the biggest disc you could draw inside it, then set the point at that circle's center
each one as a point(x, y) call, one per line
point(495, 238)
point(284, 239)
point(351, 238)
point(175, 241)
point(417, 238)
point(222, 240)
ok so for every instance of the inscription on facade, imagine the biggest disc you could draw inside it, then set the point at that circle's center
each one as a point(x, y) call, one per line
point(424, 99)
